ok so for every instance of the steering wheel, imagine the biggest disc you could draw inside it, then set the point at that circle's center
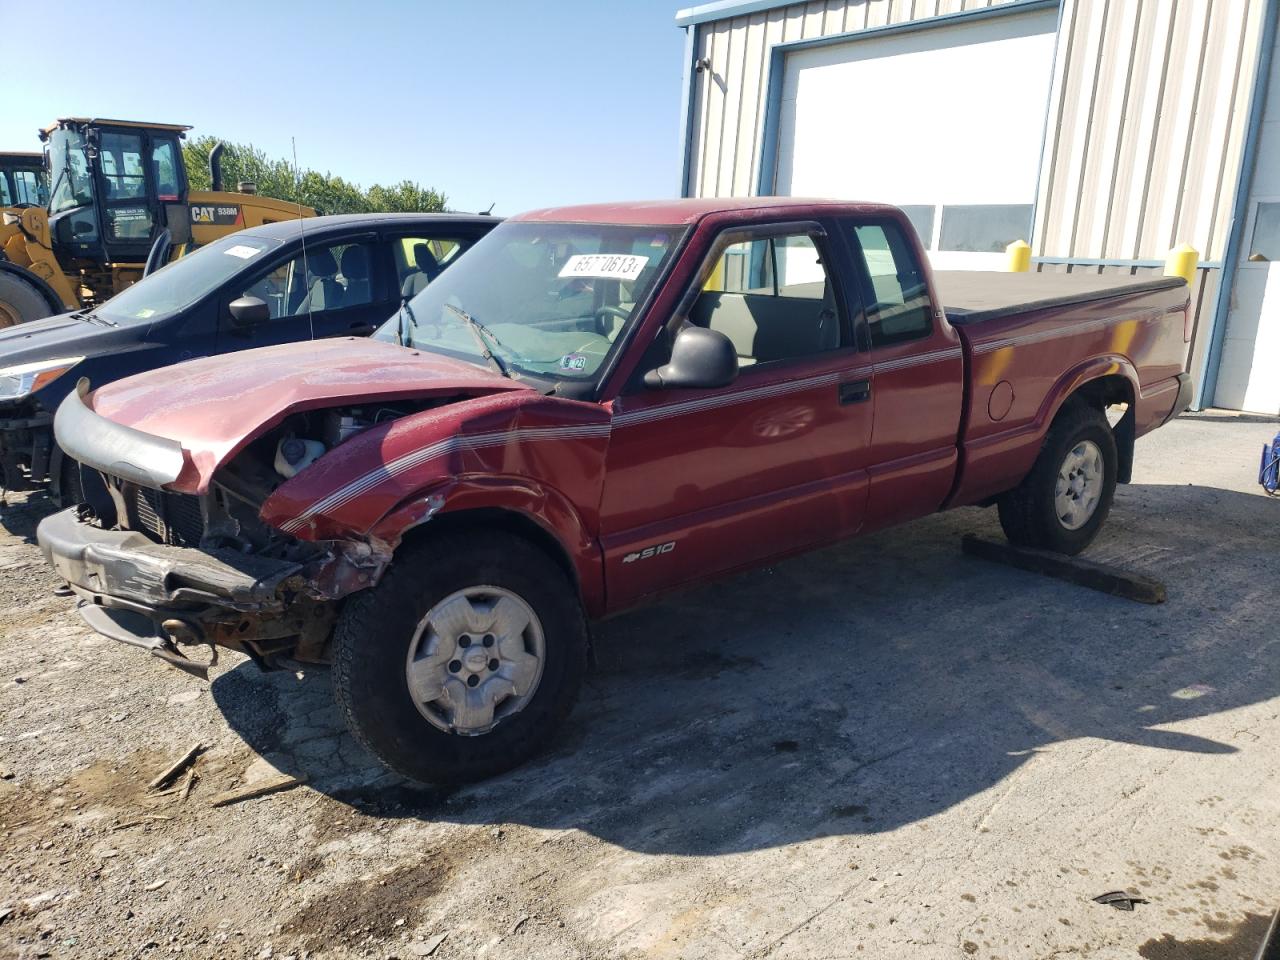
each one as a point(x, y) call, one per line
point(618, 312)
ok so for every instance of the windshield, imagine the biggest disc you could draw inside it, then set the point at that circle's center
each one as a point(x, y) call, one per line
point(23, 183)
point(69, 171)
point(547, 299)
point(182, 282)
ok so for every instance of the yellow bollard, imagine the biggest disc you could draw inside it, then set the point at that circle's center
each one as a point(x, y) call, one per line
point(715, 282)
point(1018, 256)
point(1181, 262)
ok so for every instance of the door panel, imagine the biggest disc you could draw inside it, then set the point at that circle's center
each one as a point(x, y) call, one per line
point(770, 465)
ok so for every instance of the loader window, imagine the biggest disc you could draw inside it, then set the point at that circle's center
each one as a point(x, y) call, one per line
point(164, 169)
point(121, 157)
point(69, 168)
point(29, 187)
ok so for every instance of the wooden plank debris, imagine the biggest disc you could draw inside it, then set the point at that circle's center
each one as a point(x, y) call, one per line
point(1077, 570)
point(260, 788)
point(175, 768)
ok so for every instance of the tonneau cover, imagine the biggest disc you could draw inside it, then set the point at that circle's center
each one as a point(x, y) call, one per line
point(971, 296)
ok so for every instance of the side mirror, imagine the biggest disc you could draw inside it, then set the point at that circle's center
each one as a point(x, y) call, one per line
point(249, 311)
point(699, 358)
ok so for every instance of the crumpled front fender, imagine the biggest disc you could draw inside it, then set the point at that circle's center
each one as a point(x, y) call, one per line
point(541, 457)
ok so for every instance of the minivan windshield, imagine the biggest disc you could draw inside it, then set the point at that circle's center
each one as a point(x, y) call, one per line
point(184, 281)
point(547, 299)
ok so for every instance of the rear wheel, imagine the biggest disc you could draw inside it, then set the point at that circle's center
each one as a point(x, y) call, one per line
point(1063, 502)
point(20, 302)
point(464, 660)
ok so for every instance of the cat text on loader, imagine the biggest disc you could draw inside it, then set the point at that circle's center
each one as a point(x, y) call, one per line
point(118, 206)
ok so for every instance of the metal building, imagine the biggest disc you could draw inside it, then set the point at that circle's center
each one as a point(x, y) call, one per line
point(1104, 132)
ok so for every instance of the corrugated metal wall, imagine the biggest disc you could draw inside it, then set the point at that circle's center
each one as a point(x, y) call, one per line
point(1146, 126)
point(1150, 102)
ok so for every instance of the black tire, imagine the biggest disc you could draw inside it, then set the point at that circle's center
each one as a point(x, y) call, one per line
point(375, 630)
point(1028, 513)
point(70, 484)
point(20, 302)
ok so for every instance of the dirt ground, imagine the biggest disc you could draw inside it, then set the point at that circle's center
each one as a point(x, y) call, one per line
point(885, 749)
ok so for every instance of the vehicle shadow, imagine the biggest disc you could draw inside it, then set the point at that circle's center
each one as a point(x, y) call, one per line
point(853, 690)
point(21, 512)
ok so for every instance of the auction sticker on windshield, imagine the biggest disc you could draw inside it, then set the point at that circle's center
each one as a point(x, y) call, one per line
point(604, 266)
point(241, 250)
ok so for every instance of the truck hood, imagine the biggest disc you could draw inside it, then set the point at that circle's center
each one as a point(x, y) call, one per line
point(212, 407)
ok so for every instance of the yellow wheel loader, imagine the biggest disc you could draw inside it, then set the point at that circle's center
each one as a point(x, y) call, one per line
point(111, 204)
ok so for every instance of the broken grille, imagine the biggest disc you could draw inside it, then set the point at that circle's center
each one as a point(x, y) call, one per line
point(172, 518)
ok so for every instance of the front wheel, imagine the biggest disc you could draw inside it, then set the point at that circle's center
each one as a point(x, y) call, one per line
point(464, 660)
point(1063, 502)
point(20, 301)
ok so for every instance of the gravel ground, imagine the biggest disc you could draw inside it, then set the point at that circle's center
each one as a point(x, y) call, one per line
point(884, 749)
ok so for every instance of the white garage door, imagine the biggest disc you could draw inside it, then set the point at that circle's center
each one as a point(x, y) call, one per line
point(945, 122)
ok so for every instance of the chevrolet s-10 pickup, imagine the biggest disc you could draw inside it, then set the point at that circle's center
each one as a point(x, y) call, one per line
point(596, 405)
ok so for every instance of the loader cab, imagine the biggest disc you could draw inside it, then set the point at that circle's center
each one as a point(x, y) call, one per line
point(110, 185)
point(23, 182)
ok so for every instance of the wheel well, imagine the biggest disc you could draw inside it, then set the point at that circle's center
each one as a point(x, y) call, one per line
point(508, 521)
point(1103, 393)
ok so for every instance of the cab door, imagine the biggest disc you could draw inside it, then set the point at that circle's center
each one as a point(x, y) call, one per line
point(127, 203)
point(700, 482)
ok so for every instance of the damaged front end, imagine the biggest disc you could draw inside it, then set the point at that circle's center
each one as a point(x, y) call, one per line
point(165, 570)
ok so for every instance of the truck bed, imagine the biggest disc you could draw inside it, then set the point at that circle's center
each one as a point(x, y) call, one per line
point(972, 296)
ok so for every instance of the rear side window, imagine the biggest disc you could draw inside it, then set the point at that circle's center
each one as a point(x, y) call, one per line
point(895, 292)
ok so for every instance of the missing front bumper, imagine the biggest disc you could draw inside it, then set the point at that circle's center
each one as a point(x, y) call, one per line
point(160, 598)
point(139, 630)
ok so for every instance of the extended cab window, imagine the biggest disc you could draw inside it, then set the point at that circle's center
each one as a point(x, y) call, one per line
point(772, 298)
point(897, 297)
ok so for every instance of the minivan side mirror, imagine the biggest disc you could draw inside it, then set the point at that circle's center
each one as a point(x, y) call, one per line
point(699, 358)
point(249, 311)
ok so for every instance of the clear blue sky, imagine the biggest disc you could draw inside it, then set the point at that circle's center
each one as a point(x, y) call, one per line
point(522, 103)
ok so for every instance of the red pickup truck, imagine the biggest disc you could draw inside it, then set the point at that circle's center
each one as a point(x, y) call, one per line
point(596, 405)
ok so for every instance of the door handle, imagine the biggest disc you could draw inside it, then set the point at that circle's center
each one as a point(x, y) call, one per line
point(855, 391)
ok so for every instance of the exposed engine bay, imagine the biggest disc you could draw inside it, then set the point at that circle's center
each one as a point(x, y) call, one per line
point(221, 575)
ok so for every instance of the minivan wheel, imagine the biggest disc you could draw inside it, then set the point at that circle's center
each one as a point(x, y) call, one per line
point(465, 658)
point(1063, 502)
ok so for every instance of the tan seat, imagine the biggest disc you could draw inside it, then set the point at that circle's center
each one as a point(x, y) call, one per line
point(763, 327)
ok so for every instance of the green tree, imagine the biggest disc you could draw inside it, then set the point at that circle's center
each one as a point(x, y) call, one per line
point(323, 191)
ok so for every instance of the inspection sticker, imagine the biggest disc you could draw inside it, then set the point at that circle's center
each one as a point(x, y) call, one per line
point(573, 361)
point(241, 250)
point(604, 266)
